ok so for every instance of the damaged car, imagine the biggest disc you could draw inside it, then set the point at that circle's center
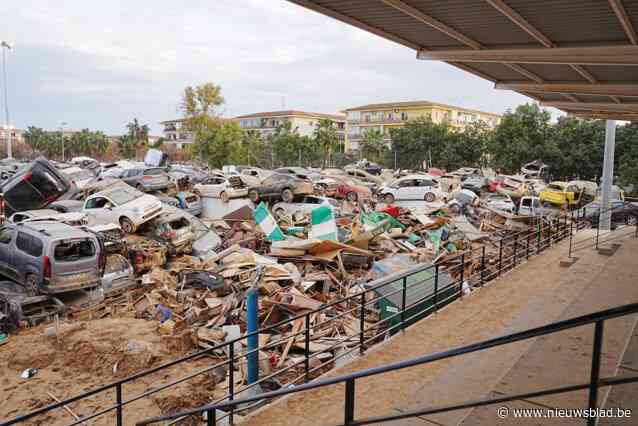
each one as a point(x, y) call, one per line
point(411, 187)
point(220, 187)
point(305, 204)
point(118, 274)
point(122, 205)
point(280, 187)
point(174, 230)
point(146, 179)
point(50, 257)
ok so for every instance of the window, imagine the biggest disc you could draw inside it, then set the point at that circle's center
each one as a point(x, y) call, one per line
point(69, 251)
point(6, 234)
point(423, 182)
point(96, 203)
point(29, 244)
point(406, 183)
point(153, 172)
point(404, 116)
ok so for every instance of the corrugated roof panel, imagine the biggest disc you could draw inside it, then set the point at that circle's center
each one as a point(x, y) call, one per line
point(379, 15)
point(613, 73)
point(550, 97)
point(475, 19)
point(594, 98)
point(554, 72)
point(569, 21)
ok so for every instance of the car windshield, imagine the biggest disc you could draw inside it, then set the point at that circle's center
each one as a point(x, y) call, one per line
point(123, 195)
point(68, 251)
point(153, 172)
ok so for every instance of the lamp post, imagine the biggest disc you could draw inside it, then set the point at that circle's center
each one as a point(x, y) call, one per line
point(5, 45)
point(62, 137)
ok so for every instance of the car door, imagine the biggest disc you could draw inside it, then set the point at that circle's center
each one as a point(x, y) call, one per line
point(422, 187)
point(407, 190)
point(7, 233)
point(100, 209)
point(26, 257)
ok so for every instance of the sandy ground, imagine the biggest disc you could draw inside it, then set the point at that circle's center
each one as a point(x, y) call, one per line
point(85, 359)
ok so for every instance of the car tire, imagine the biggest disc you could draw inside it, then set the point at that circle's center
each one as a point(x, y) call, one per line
point(127, 225)
point(31, 283)
point(139, 187)
point(632, 220)
point(388, 198)
point(224, 197)
point(287, 195)
point(253, 195)
point(352, 197)
point(279, 214)
point(429, 197)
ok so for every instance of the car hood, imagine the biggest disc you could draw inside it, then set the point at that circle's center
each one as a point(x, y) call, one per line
point(205, 245)
point(145, 202)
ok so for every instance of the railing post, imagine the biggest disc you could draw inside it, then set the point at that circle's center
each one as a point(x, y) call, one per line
point(404, 294)
point(436, 288)
point(571, 234)
point(307, 349)
point(595, 370)
point(462, 273)
point(348, 415)
point(515, 250)
point(598, 228)
point(210, 417)
point(527, 247)
point(362, 322)
point(231, 380)
point(500, 256)
point(483, 266)
point(118, 398)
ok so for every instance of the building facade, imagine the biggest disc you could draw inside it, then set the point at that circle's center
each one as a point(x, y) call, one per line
point(16, 135)
point(386, 116)
point(305, 123)
point(175, 133)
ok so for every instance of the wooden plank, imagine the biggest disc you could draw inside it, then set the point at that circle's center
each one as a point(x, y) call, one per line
point(622, 16)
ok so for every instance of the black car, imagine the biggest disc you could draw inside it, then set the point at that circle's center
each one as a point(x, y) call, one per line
point(623, 213)
point(280, 187)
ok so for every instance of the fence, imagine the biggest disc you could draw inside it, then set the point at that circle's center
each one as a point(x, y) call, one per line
point(417, 292)
point(595, 382)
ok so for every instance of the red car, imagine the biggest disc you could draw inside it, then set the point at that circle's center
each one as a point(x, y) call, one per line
point(495, 182)
point(351, 190)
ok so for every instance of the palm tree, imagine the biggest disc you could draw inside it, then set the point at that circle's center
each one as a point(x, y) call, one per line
point(137, 135)
point(325, 135)
point(372, 145)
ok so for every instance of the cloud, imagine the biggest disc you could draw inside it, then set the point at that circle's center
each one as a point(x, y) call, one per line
point(99, 64)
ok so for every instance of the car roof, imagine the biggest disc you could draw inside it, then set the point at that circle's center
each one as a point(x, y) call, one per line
point(416, 176)
point(40, 212)
point(55, 229)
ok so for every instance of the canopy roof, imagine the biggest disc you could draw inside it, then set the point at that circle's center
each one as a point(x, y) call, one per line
point(580, 56)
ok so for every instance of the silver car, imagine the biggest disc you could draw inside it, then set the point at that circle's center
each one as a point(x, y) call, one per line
point(118, 274)
point(50, 257)
point(146, 179)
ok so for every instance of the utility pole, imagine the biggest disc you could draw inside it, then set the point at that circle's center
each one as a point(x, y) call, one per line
point(3, 45)
point(62, 137)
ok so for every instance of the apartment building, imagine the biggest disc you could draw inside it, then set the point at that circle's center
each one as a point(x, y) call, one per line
point(386, 116)
point(175, 133)
point(305, 123)
point(15, 134)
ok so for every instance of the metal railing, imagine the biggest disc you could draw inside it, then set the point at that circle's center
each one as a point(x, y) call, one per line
point(595, 382)
point(435, 285)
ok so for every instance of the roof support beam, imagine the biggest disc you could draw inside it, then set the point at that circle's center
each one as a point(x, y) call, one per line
point(621, 13)
point(355, 22)
point(594, 107)
point(602, 55)
point(604, 116)
point(513, 16)
point(434, 23)
point(602, 89)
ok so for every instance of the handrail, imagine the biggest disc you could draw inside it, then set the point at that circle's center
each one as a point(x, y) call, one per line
point(596, 317)
point(521, 243)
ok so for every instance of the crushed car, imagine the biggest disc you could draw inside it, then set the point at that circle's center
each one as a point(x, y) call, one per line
point(280, 187)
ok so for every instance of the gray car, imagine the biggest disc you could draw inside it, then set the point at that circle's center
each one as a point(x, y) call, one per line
point(50, 257)
point(118, 274)
point(146, 179)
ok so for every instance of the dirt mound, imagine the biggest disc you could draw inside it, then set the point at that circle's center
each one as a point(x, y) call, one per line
point(41, 358)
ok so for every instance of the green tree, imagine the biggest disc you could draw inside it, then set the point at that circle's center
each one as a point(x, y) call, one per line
point(373, 146)
point(419, 141)
point(135, 139)
point(468, 147)
point(325, 136)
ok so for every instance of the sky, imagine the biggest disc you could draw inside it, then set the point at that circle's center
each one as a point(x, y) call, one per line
point(98, 65)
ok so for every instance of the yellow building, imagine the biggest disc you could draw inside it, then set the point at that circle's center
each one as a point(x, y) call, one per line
point(383, 117)
point(304, 123)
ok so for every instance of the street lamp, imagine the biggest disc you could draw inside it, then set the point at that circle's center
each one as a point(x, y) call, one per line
point(62, 137)
point(5, 45)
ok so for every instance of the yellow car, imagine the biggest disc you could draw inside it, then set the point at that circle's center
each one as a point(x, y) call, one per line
point(558, 192)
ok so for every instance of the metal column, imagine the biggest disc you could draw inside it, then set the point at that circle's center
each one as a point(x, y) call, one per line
point(604, 222)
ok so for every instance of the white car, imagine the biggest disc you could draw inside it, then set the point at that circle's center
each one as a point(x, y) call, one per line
point(122, 205)
point(80, 177)
point(219, 187)
point(73, 219)
point(253, 176)
point(500, 202)
point(411, 187)
point(304, 204)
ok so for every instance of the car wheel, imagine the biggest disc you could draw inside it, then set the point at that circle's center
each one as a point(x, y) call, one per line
point(321, 189)
point(388, 198)
point(279, 213)
point(631, 220)
point(31, 282)
point(429, 197)
point(139, 188)
point(127, 225)
point(196, 192)
point(351, 196)
point(253, 195)
point(224, 197)
point(287, 195)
